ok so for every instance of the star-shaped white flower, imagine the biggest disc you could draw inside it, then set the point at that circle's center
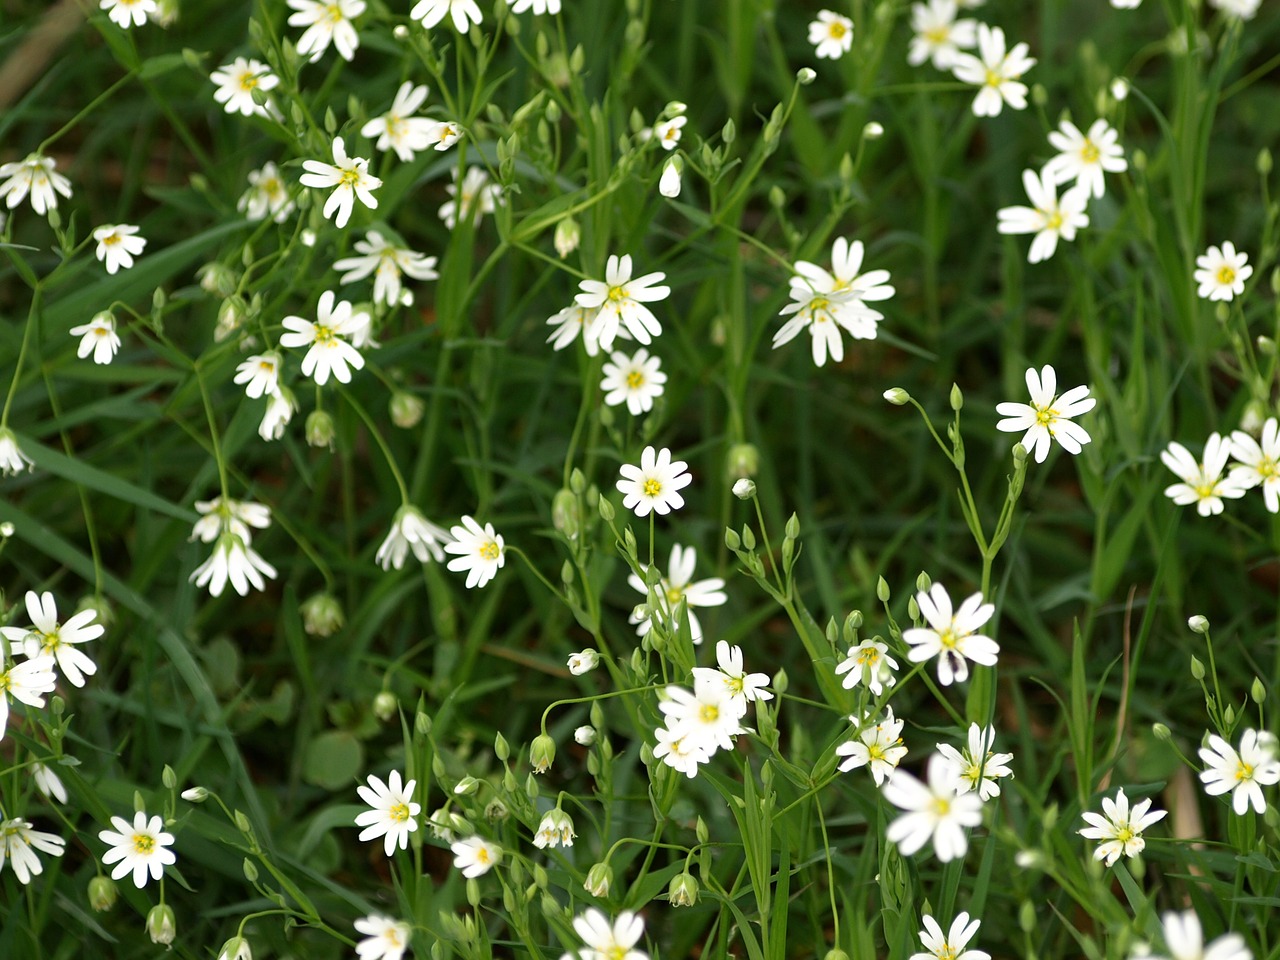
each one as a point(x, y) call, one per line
point(935, 811)
point(236, 82)
point(476, 197)
point(141, 848)
point(877, 745)
point(398, 129)
point(654, 485)
point(1121, 828)
point(475, 856)
point(997, 74)
point(130, 13)
point(939, 36)
point(1048, 217)
point(733, 677)
point(831, 34)
point(1085, 157)
point(327, 21)
point(1203, 482)
point(463, 12)
point(537, 7)
point(118, 244)
point(1185, 940)
point(1048, 416)
point(1222, 272)
point(327, 353)
point(1243, 774)
point(384, 938)
point(1258, 465)
point(47, 637)
point(978, 765)
point(609, 941)
point(619, 301)
point(951, 945)
point(480, 551)
point(267, 193)
point(18, 844)
point(635, 380)
point(26, 682)
point(387, 262)
point(678, 585)
point(951, 637)
point(394, 814)
point(350, 178)
point(868, 664)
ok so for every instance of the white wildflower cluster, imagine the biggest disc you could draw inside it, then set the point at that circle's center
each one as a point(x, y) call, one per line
point(1209, 481)
point(227, 523)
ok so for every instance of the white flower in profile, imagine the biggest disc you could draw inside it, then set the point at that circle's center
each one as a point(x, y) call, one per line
point(878, 746)
point(443, 135)
point(235, 561)
point(327, 352)
point(350, 178)
point(35, 176)
point(98, 337)
point(1048, 416)
point(939, 36)
point(571, 321)
point(260, 374)
point(1126, 4)
point(935, 811)
point(583, 662)
point(236, 82)
point(431, 12)
point(1202, 482)
point(281, 406)
point(475, 856)
point(710, 715)
point(476, 197)
point(118, 244)
point(680, 750)
point(48, 783)
point(831, 34)
point(669, 182)
point(951, 945)
point(1222, 272)
point(1258, 465)
point(478, 550)
point(48, 638)
point(398, 129)
point(823, 314)
point(224, 515)
point(26, 682)
point(327, 21)
point(411, 531)
point(1185, 940)
point(12, 459)
point(384, 938)
point(636, 381)
point(555, 830)
point(619, 302)
point(19, 843)
point(668, 132)
point(130, 13)
point(654, 485)
point(394, 814)
point(1241, 9)
point(1085, 157)
point(997, 74)
point(538, 7)
point(1121, 828)
point(979, 766)
point(387, 262)
point(1244, 774)
point(868, 664)
point(609, 941)
point(140, 848)
point(1048, 217)
point(951, 637)
point(267, 194)
point(733, 677)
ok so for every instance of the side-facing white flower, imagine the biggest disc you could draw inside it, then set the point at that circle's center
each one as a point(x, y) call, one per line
point(979, 766)
point(48, 638)
point(48, 783)
point(1258, 465)
point(1185, 940)
point(267, 194)
point(389, 261)
point(384, 938)
point(18, 844)
point(654, 485)
point(636, 380)
point(951, 945)
point(327, 21)
point(555, 830)
point(236, 82)
point(394, 815)
point(140, 848)
point(1085, 157)
point(350, 178)
point(996, 73)
point(537, 7)
point(669, 182)
point(327, 352)
point(939, 36)
point(831, 34)
point(668, 132)
point(609, 941)
point(12, 459)
point(1244, 774)
point(731, 674)
point(951, 637)
point(584, 661)
point(98, 337)
point(1048, 416)
point(932, 811)
point(431, 12)
point(476, 197)
point(681, 750)
point(235, 561)
point(823, 314)
point(619, 301)
point(26, 682)
point(1049, 217)
point(1121, 828)
point(475, 856)
point(1203, 482)
point(478, 550)
point(573, 320)
point(281, 406)
point(1221, 275)
point(260, 374)
point(1241, 9)
point(35, 176)
point(411, 531)
point(868, 664)
point(118, 244)
point(877, 745)
point(130, 13)
point(224, 515)
point(845, 276)
point(398, 129)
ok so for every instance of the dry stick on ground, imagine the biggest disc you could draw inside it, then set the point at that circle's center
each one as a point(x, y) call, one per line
point(27, 64)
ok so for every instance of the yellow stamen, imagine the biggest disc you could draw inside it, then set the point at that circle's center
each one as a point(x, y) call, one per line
point(652, 487)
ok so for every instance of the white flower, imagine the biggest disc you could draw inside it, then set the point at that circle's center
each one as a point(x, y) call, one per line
point(831, 34)
point(12, 459)
point(376, 254)
point(27, 682)
point(669, 182)
point(585, 735)
point(824, 314)
point(219, 516)
point(869, 664)
point(394, 815)
point(281, 406)
point(384, 938)
point(1243, 773)
point(47, 638)
point(583, 662)
point(1121, 828)
point(142, 848)
point(328, 352)
point(681, 750)
point(878, 745)
point(349, 176)
point(1048, 416)
point(48, 782)
point(1126, 4)
point(1084, 157)
point(1221, 275)
point(431, 12)
point(951, 637)
point(996, 74)
point(266, 194)
point(571, 321)
point(237, 948)
point(398, 129)
point(654, 485)
point(668, 132)
point(127, 13)
point(98, 337)
point(1202, 482)
point(1243, 9)
point(732, 676)
point(1048, 218)
point(609, 941)
point(475, 857)
point(118, 245)
point(939, 36)
point(411, 531)
point(478, 197)
point(260, 374)
point(709, 715)
point(850, 311)
point(236, 82)
point(1185, 940)
point(236, 561)
point(33, 175)
point(555, 830)
point(18, 844)
point(477, 550)
point(1258, 465)
point(619, 301)
point(950, 946)
point(538, 7)
point(443, 135)
point(936, 810)
point(978, 766)
point(636, 381)
point(327, 21)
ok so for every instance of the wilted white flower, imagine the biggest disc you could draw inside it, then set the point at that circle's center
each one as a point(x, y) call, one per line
point(33, 175)
point(235, 561)
point(19, 843)
point(12, 459)
point(48, 783)
point(388, 260)
point(583, 662)
point(281, 406)
point(411, 531)
point(476, 197)
point(555, 830)
point(26, 682)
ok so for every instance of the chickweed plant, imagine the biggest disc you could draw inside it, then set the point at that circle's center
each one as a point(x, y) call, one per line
point(627, 478)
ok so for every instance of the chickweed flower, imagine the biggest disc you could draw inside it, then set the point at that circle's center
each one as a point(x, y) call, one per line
point(939, 36)
point(48, 783)
point(431, 12)
point(98, 337)
point(1241, 9)
point(823, 313)
point(1085, 157)
point(46, 637)
point(384, 938)
point(619, 301)
point(555, 830)
point(1048, 217)
point(678, 585)
point(868, 664)
point(574, 320)
point(394, 815)
point(387, 261)
point(731, 675)
point(12, 459)
point(349, 176)
point(979, 767)
point(327, 21)
point(18, 846)
point(951, 637)
point(1221, 275)
point(398, 129)
point(636, 381)
point(140, 848)
point(281, 406)
point(935, 810)
point(26, 682)
point(237, 948)
point(477, 550)
point(1121, 828)
point(475, 856)
point(681, 750)
point(653, 486)
point(997, 74)
point(585, 735)
point(951, 945)
point(476, 197)
point(224, 515)
point(411, 531)
point(1243, 774)
point(34, 176)
point(831, 34)
point(1202, 482)
point(1258, 465)
point(327, 351)
point(236, 82)
point(267, 194)
point(235, 561)
point(118, 244)
point(668, 132)
point(1185, 940)
point(537, 7)
point(161, 924)
point(877, 745)
point(583, 662)
point(709, 716)
point(1049, 416)
point(129, 13)
point(669, 182)
point(845, 277)
point(614, 941)
point(260, 374)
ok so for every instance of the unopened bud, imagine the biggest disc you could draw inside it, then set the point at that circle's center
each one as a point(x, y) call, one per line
point(320, 429)
point(599, 880)
point(1198, 624)
point(743, 461)
point(161, 925)
point(567, 236)
point(195, 795)
point(957, 397)
point(1161, 732)
point(744, 489)
point(882, 590)
point(406, 409)
point(322, 615)
point(102, 893)
point(806, 76)
point(897, 396)
point(1264, 161)
point(1197, 668)
point(683, 891)
point(385, 705)
point(542, 753)
point(585, 735)
point(872, 131)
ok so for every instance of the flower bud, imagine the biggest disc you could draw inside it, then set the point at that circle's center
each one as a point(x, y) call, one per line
point(6, 529)
point(744, 489)
point(1120, 89)
point(322, 615)
point(496, 810)
point(731, 539)
point(836, 954)
point(385, 705)
point(583, 662)
point(566, 515)
point(1257, 691)
point(320, 429)
point(406, 409)
point(466, 786)
point(401, 32)
point(308, 238)
point(683, 891)
point(669, 182)
point(218, 279)
point(599, 880)
point(195, 795)
point(957, 397)
point(897, 396)
point(872, 131)
point(1198, 624)
point(161, 926)
point(542, 753)
point(1161, 732)
point(806, 76)
point(1197, 668)
point(882, 590)
point(1264, 161)
point(237, 948)
point(585, 735)
point(102, 893)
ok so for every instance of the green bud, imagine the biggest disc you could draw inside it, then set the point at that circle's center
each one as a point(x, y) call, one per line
point(1229, 714)
point(852, 623)
point(882, 590)
point(683, 890)
point(195, 795)
point(897, 396)
point(743, 460)
point(836, 954)
point(250, 870)
point(500, 748)
point(1257, 692)
point(566, 513)
point(1019, 455)
point(728, 132)
point(700, 830)
point(1049, 818)
point(923, 582)
point(422, 724)
point(777, 198)
point(168, 777)
point(599, 880)
point(748, 537)
point(322, 615)
point(957, 397)
point(1197, 668)
point(806, 76)
point(780, 681)
point(102, 893)
point(606, 510)
point(1198, 624)
point(161, 925)
point(385, 705)
point(1264, 161)
point(792, 528)
point(542, 753)
point(406, 409)
point(1161, 732)
point(1027, 916)
point(473, 892)
point(731, 539)
point(913, 609)
point(467, 786)
point(242, 822)
point(319, 429)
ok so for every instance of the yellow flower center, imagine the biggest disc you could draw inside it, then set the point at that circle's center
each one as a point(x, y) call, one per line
point(482, 855)
point(652, 487)
point(1204, 491)
point(993, 79)
point(938, 35)
point(1089, 152)
point(708, 713)
point(875, 752)
point(490, 550)
point(948, 638)
point(1054, 220)
point(97, 332)
point(635, 379)
point(941, 806)
point(867, 657)
point(324, 335)
point(836, 30)
point(143, 843)
point(945, 952)
point(1267, 468)
point(266, 365)
point(392, 936)
point(248, 81)
point(614, 953)
point(1226, 275)
point(334, 13)
point(617, 294)
point(673, 595)
point(399, 812)
point(272, 186)
point(1244, 771)
point(350, 177)
point(111, 239)
point(1045, 417)
point(1124, 833)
